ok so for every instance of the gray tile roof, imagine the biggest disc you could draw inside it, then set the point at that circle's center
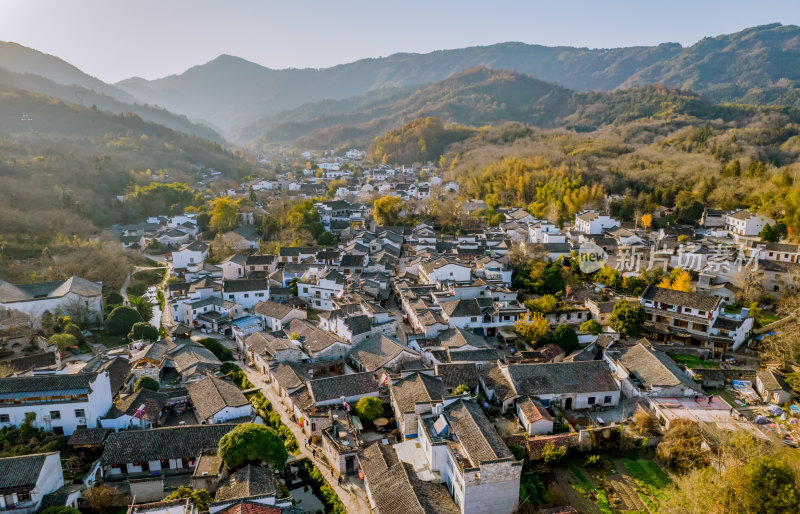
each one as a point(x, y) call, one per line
point(377, 351)
point(332, 388)
point(210, 395)
point(162, 443)
point(561, 377)
point(153, 402)
point(475, 432)
point(399, 491)
point(314, 338)
point(88, 436)
point(652, 367)
point(417, 388)
point(21, 472)
point(42, 383)
point(244, 285)
point(455, 338)
point(247, 482)
point(290, 375)
point(453, 375)
point(672, 297)
point(461, 308)
point(272, 309)
point(376, 460)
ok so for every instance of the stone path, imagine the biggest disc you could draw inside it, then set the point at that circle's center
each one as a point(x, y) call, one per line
point(352, 491)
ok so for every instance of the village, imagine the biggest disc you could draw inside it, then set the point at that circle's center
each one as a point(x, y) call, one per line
point(406, 368)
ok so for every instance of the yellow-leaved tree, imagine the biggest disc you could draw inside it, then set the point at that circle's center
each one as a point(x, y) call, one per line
point(647, 220)
point(532, 326)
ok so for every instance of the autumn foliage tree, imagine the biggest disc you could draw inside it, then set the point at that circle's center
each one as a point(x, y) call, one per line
point(386, 210)
point(532, 326)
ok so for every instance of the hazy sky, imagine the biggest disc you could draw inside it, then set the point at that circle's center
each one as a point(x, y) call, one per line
point(112, 39)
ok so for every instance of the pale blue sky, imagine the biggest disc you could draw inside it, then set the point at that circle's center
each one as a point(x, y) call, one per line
point(151, 38)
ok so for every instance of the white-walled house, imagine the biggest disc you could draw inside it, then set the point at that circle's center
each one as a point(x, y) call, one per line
point(190, 256)
point(34, 299)
point(534, 417)
point(144, 452)
point(442, 269)
point(61, 403)
point(591, 222)
point(218, 401)
point(746, 223)
point(274, 315)
point(27, 479)
point(245, 292)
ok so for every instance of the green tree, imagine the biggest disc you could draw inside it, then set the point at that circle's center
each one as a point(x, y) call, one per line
point(627, 318)
point(145, 382)
point(566, 338)
point(386, 210)
point(200, 498)
point(143, 330)
point(143, 306)
point(326, 239)
point(63, 341)
point(369, 408)
point(122, 319)
point(770, 233)
point(463, 388)
point(250, 442)
point(591, 327)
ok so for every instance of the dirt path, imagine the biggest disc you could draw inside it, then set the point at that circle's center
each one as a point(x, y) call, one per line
point(622, 488)
point(565, 480)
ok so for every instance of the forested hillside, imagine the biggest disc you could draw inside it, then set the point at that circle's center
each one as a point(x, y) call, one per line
point(62, 167)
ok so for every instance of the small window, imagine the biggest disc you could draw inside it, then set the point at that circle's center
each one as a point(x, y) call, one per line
point(4, 418)
point(473, 319)
point(58, 430)
point(55, 414)
point(230, 296)
point(607, 399)
point(246, 295)
point(80, 413)
point(591, 400)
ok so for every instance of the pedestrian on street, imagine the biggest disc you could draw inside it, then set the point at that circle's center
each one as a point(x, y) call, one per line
point(340, 480)
point(314, 453)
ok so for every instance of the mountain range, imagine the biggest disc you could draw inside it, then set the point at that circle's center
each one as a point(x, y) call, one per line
point(247, 102)
point(759, 64)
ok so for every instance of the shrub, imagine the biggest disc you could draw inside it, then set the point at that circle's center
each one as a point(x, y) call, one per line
point(143, 330)
point(73, 330)
point(218, 349)
point(552, 453)
point(122, 319)
point(463, 388)
point(591, 327)
point(200, 498)
point(114, 298)
point(63, 341)
point(566, 338)
point(146, 382)
point(327, 493)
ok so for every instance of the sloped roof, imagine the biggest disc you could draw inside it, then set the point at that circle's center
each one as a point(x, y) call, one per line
point(41, 383)
point(314, 338)
point(399, 491)
point(654, 368)
point(417, 388)
point(210, 395)
point(377, 351)
point(454, 375)
point(153, 402)
point(455, 338)
point(247, 482)
point(272, 309)
point(332, 388)
point(162, 443)
point(561, 377)
point(672, 297)
point(475, 432)
point(21, 472)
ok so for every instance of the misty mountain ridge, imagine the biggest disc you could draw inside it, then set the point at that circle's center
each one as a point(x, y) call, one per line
point(757, 65)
